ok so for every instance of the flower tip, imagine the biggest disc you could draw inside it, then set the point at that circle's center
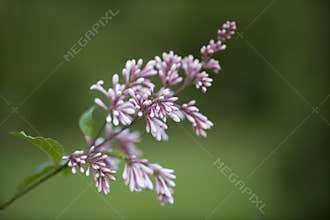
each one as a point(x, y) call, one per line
point(108, 119)
point(140, 113)
point(115, 78)
point(140, 80)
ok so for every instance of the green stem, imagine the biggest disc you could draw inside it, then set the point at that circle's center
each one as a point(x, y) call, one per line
point(99, 132)
point(31, 187)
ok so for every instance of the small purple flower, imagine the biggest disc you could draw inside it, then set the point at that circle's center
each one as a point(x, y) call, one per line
point(100, 165)
point(227, 31)
point(198, 121)
point(211, 48)
point(216, 46)
point(163, 105)
point(134, 74)
point(168, 68)
point(202, 81)
point(156, 127)
point(156, 108)
point(76, 160)
point(163, 183)
point(118, 109)
point(102, 177)
point(140, 101)
point(99, 87)
point(136, 174)
point(191, 66)
point(212, 65)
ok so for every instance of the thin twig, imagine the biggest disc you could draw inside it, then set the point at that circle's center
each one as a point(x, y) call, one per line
point(186, 83)
point(99, 132)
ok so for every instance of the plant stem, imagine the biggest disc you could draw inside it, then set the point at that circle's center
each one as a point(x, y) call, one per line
point(186, 83)
point(99, 132)
point(31, 187)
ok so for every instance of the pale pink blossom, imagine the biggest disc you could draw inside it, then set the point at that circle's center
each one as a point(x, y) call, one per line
point(168, 68)
point(191, 66)
point(199, 122)
point(156, 127)
point(163, 105)
point(140, 101)
point(99, 164)
point(213, 47)
point(102, 177)
point(227, 31)
point(164, 181)
point(118, 109)
point(136, 174)
point(202, 81)
point(134, 74)
point(76, 160)
point(212, 65)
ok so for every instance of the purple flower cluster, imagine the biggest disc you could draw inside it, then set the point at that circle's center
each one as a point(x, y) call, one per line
point(136, 176)
point(164, 182)
point(136, 97)
point(198, 121)
point(97, 163)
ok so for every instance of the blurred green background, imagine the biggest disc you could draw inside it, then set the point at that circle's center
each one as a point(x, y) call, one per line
point(262, 105)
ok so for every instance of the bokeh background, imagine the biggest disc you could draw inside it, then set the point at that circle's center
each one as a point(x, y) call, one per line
point(269, 105)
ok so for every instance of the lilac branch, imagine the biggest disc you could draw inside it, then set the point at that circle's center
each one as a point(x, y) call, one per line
point(137, 98)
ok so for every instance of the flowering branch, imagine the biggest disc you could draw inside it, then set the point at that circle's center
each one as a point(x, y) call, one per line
point(136, 98)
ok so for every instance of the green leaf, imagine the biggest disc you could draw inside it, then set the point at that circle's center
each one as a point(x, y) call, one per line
point(50, 146)
point(86, 122)
point(39, 172)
